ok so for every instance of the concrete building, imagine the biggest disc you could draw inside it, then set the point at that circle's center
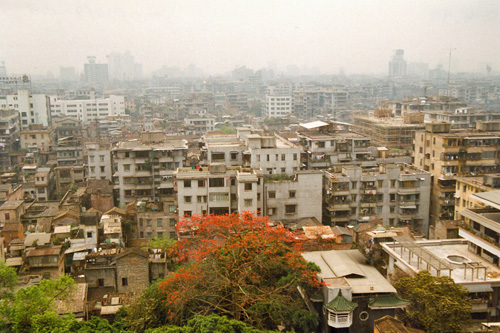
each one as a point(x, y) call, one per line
point(468, 264)
point(218, 189)
point(67, 176)
point(398, 195)
point(397, 66)
point(461, 117)
point(199, 124)
point(36, 137)
point(88, 110)
point(69, 151)
point(278, 106)
point(288, 199)
point(9, 127)
point(96, 75)
point(32, 108)
point(143, 168)
point(327, 144)
point(447, 153)
point(389, 132)
point(159, 224)
point(99, 161)
point(122, 67)
point(251, 148)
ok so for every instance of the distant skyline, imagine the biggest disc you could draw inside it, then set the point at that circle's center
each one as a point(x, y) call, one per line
point(356, 36)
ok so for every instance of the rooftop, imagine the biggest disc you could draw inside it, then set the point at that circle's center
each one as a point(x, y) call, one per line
point(350, 264)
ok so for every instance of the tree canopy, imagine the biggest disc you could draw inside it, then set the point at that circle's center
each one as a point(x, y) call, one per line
point(26, 304)
point(243, 267)
point(437, 304)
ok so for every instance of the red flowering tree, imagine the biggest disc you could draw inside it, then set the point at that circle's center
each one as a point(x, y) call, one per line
point(244, 267)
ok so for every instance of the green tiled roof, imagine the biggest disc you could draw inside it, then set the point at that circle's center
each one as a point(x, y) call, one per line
point(387, 301)
point(341, 304)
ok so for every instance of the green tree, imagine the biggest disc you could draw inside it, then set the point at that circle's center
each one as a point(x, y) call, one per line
point(437, 304)
point(227, 130)
point(27, 303)
point(147, 311)
point(209, 324)
point(165, 244)
point(8, 280)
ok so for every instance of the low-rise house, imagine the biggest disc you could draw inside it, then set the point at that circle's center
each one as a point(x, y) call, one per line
point(47, 262)
point(355, 293)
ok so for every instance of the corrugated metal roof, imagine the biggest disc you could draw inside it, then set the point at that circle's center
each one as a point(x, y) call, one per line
point(44, 252)
point(314, 124)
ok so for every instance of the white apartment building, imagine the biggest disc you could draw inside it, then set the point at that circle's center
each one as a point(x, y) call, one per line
point(278, 106)
point(251, 148)
point(32, 108)
point(99, 161)
point(218, 190)
point(200, 124)
point(143, 169)
point(87, 110)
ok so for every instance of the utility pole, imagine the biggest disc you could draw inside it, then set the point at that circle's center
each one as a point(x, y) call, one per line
point(449, 67)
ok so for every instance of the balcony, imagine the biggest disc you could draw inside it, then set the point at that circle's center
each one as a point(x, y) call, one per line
point(408, 190)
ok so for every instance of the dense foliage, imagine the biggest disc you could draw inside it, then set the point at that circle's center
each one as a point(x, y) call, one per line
point(438, 304)
point(243, 267)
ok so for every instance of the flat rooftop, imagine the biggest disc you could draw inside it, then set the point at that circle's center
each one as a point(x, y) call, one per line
point(455, 252)
point(333, 135)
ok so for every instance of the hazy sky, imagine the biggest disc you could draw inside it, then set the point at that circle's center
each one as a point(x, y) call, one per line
point(356, 35)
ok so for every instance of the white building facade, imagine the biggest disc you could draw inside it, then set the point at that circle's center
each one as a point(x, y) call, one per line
point(88, 110)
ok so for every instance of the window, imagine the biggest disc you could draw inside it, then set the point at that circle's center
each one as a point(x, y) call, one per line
point(272, 194)
point(234, 156)
point(283, 170)
point(292, 194)
point(216, 182)
point(258, 158)
point(248, 202)
point(159, 222)
point(172, 222)
point(290, 209)
point(100, 282)
point(126, 167)
point(201, 183)
point(294, 157)
point(380, 183)
point(268, 157)
point(103, 168)
point(7, 216)
point(124, 282)
point(233, 182)
point(271, 211)
point(89, 234)
point(248, 186)
point(91, 159)
point(101, 158)
point(379, 209)
point(282, 157)
point(148, 222)
point(187, 213)
point(354, 185)
point(392, 197)
point(141, 223)
point(393, 183)
point(187, 183)
point(218, 156)
point(187, 199)
point(392, 208)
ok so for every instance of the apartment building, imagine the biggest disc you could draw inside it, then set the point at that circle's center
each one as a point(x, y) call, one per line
point(327, 144)
point(466, 187)
point(36, 137)
point(32, 108)
point(447, 153)
point(218, 189)
point(143, 168)
point(67, 176)
point(288, 199)
point(99, 161)
point(461, 117)
point(66, 126)
point(87, 110)
point(389, 132)
point(199, 124)
point(278, 106)
point(396, 194)
point(69, 151)
point(251, 148)
point(9, 127)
